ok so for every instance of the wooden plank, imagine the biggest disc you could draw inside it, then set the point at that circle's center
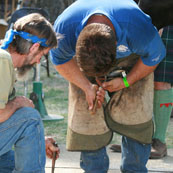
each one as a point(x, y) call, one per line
point(6, 10)
point(13, 6)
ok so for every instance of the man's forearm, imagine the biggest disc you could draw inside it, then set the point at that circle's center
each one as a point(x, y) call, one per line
point(139, 71)
point(71, 72)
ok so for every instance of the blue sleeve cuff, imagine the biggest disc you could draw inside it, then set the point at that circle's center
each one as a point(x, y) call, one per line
point(156, 51)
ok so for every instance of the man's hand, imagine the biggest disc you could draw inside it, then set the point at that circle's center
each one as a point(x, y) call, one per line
point(95, 93)
point(13, 105)
point(113, 85)
point(22, 101)
point(90, 94)
point(50, 148)
point(100, 95)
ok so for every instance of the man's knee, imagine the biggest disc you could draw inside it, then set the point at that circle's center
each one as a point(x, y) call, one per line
point(28, 113)
point(162, 85)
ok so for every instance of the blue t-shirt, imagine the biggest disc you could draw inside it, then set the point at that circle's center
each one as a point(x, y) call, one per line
point(134, 31)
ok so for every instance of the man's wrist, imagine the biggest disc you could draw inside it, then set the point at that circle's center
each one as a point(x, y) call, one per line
point(126, 84)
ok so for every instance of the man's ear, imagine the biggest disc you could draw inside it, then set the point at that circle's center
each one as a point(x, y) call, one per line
point(34, 48)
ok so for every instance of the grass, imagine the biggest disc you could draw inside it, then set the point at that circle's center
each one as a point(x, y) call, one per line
point(55, 90)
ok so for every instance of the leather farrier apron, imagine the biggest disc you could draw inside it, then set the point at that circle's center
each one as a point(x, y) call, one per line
point(85, 131)
point(129, 111)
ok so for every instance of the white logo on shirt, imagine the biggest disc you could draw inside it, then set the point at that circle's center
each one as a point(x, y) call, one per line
point(156, 59)
point(122, 48)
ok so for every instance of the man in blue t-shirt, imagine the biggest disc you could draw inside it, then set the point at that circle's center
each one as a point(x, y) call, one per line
point(96, 35)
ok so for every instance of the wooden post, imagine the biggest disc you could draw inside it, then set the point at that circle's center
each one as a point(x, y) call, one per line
point(6, 10)
point(13, 7)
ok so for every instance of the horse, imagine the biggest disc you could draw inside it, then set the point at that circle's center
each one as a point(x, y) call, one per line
point(160, 11)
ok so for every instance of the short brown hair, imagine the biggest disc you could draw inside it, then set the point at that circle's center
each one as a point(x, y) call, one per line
point(34, 24)
point(96, 49)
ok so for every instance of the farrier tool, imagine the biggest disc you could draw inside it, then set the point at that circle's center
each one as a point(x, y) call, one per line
point(110, 76)
point(54, 157)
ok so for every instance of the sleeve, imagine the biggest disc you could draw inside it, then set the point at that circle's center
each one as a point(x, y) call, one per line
point(66, 45)
point(62, 54)
point(154, 51)
point(147, 43)
point(5, 81)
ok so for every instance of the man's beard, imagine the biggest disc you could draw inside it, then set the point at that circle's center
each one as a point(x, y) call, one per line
point(22, 72)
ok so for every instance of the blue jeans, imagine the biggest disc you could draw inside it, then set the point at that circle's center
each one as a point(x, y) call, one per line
point(24, 131)
point(95, 161)
point(134, 158)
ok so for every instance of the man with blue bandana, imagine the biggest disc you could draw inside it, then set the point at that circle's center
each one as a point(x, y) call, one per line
point(20, 124)
point(99, 37)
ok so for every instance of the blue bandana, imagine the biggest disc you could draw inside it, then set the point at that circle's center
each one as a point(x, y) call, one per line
point(27, 36)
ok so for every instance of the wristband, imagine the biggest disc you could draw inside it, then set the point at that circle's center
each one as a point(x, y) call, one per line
point(125, 79)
